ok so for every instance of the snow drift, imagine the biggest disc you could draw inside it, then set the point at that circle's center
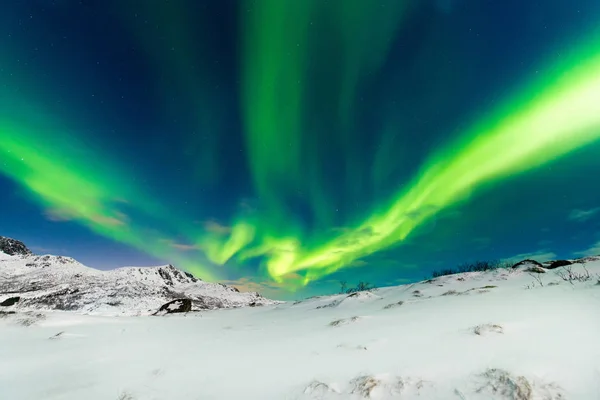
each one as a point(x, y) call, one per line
point(509, 334)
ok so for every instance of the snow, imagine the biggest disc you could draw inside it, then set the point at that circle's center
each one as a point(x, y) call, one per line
point(468, 336)
point(174, 306)
point(61, 283)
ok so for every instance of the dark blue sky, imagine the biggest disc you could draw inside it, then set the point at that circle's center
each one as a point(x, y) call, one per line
point(222, 135)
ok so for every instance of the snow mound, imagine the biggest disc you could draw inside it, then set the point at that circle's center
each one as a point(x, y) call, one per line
point(377, 387)
point(486, 329)
point(351, 299)
point(393, 305)
point(344, 321)
point(499, 384)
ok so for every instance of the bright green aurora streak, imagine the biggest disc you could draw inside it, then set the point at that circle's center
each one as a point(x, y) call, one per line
point(287, 156)
point(283, 54)
point(75, 184)
point(557, 114)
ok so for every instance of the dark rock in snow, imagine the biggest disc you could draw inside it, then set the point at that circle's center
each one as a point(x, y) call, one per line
point(176, 306)
point(528, 262)
point(172, 275)
point(10, 301)
point(536, 269)
point(65, 299)
point(393, 305)
point(192, 277)
point(207, 302)
point(13, 247)
point(587, 259)
point(559, 263)
point(165, 275)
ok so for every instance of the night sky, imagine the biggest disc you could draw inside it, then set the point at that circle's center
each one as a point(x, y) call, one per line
point(285, 145)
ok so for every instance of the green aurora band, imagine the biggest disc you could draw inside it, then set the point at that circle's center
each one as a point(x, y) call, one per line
point(75, 184)
point(282, 58)
point(552, 117)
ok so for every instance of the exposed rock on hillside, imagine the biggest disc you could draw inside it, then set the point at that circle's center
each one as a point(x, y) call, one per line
point(13, 247)
point(526, 263)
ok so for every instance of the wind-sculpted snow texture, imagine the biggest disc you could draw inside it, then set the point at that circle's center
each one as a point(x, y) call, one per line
point(506, 334)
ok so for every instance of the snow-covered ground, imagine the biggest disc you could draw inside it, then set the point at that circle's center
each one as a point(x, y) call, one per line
point(483, 335)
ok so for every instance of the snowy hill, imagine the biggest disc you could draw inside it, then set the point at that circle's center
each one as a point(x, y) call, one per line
point(61, 283)
point(507, 334)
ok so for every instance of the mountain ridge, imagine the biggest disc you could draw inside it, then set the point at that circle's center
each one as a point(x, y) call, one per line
point(48, 282)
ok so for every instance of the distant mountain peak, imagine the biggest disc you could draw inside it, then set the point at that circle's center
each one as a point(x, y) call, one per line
point(13, 247)
point(50, 282)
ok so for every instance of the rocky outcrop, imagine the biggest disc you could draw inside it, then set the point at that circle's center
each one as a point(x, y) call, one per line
point(526, 263)
point(558, 264)
point(172, 275)
point(13, 247)
point(11, 301)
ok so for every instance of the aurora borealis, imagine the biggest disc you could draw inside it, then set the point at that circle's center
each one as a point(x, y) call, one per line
point(286, 145)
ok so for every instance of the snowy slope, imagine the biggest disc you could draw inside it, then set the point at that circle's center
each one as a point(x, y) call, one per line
point(483, 335)
point(61, 283)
